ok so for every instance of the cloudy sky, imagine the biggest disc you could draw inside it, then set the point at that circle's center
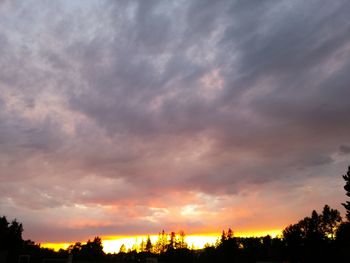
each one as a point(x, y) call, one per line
point(127, 117)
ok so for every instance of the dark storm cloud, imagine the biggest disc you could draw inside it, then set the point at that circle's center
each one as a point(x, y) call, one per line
point(137, 101)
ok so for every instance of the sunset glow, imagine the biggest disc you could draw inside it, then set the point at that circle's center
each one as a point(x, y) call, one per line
point(112, 244)
point(122, 118)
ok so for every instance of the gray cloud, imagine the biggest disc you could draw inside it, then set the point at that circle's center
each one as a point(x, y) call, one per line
point(345, 149)
point(103, 104)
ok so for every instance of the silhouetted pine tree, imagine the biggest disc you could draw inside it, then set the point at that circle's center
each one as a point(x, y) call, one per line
point(149, 245)
point(347, 189)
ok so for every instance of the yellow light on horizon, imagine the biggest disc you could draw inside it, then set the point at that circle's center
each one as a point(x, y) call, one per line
point(112, 244)
point(55, 246)
point(259, 233)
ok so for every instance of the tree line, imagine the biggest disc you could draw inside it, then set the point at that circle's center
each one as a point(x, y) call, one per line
point(321, 237)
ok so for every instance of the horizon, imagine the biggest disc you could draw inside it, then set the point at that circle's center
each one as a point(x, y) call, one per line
point(124, 118)
point(112, 244)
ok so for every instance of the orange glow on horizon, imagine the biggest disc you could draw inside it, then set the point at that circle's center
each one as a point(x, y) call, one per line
point(112, 244)
point(55, 246)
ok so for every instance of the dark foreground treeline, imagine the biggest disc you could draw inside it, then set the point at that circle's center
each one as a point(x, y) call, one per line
point(320, 237)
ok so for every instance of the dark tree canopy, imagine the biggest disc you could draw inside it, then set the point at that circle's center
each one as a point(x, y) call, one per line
point(10, 234)
point(316, 227)
point(330, 221)
point(92, 249)
point(149, 245)
point(347, 189)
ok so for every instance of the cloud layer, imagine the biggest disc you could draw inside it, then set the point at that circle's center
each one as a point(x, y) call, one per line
point(131, 117)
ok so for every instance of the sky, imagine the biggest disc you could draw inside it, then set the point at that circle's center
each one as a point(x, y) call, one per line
point(122, 118)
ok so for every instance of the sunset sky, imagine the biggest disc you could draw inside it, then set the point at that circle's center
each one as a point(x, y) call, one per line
point(123, 118)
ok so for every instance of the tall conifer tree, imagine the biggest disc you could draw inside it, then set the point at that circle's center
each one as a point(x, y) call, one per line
point(347, 189)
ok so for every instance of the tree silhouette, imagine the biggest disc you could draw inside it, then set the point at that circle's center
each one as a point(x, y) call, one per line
point(310, 237)
point(149, 245)
point(11, 242)
point(94, 248)
point(343, 231)
point(122, 249)
point(229, 233)
point(223, 237)
point(10, 237)
point(162, 243)
point(142, 247)
point(75, 248)
point(330, 221)
point(227, 248)
point(172, 241)
point(91, 250)
point(181, 240)
point(347, 189)
point(10, 233)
